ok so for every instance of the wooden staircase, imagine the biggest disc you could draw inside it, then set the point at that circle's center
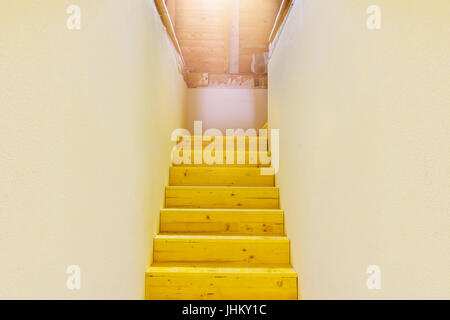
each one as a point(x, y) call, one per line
point(221, 237)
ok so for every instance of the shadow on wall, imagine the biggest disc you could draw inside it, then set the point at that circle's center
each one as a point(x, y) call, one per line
point(227, 108)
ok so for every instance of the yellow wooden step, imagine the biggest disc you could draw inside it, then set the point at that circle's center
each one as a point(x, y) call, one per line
point(223, 165)
point(227, 250)
point(222, 197)
point(241, 146)
point(223, 221)
point(239, 158)
point(219, 176)
point(215, 137)
point(220, 283)
point(206, 140)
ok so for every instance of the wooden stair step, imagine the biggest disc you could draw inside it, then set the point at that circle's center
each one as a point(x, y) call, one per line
point(223, 165)
point(223, 221)
point(239, 158)
point(231, 250)
point(253, 146)
point(209, 139)
point(222, 197)
point(219, 176)
point(242, 143)
point(220, 283)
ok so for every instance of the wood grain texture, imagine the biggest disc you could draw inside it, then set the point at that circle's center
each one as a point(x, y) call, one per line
point(241, 143)
point(220, 283)
point(222, 197)
point(219, 176)
point(222, 221)
point(233, 250)
point(211, 158)
point(216, 39)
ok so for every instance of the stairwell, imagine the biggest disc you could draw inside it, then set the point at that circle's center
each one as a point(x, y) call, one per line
point(221, 235)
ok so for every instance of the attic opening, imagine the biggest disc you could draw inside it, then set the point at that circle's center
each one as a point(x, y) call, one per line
point(224, 43)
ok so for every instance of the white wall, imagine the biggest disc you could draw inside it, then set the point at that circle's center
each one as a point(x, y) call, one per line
point(227, 108)
point(364, 133)
point(85, 122)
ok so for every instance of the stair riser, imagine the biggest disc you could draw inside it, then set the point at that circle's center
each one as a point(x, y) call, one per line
point(203, 176)
point(226, 197)
point(233, 223)
point(209, 158)
point(210, 287)
point(241, 147)
point(241, 142)
point(224, 165)
point(231, 251)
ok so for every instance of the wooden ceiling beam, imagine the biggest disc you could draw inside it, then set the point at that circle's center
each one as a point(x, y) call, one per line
point(222, 36)
point(165, 17)
point(282, 13)
point(234, 37)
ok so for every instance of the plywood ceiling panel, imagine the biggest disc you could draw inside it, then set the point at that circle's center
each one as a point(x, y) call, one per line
point(203, 31)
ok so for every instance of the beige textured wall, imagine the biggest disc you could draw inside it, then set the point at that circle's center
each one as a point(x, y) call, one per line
point(364, 133)
point(227, 108)
point(85, 122)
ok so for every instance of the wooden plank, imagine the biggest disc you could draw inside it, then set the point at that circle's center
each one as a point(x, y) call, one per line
point(200, 28)
point(238, 158)
point(249, 16)
point(166, 19)
point(226, 250)
point(236, 135)
point(219, 283)
point(241, 143)
point(223, 221)
point(198, 4)
point(234, 37)
point(199, 21)
point(203, 51)
point(171, 8)
point(219, 176)
point(183, 12)
point(227, 33)
point(222, 197)
point(232, 80)
point(224, 143)
point(207, 59)
point(250, 47)
point(223, 165)
point(205, 67)
point(245, 64)
point(196, 80)
point(251, 30)
point(202, 42)
point(281, 16)
point(204, 36)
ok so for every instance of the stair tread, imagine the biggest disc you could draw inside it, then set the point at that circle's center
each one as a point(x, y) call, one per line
point(220, 237)
point(225, 210)
point(221, 197)
point(219, 176)
point(222, 187)
point(215, 269)
point(224, 168)
point(265, 222)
